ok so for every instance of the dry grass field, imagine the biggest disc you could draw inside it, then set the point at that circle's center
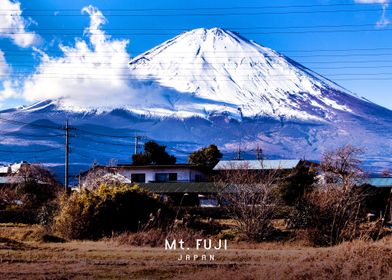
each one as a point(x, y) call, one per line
point(23, 255)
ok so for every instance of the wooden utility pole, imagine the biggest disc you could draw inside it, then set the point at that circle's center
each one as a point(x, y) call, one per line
point(239, 153)
point(259, 153)
point(137, 139)
point(66, 158)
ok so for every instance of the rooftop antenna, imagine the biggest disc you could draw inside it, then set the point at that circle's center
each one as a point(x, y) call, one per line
point(239, 153)
point(259, 153)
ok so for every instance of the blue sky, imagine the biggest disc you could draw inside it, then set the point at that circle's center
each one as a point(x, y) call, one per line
point(359, 60)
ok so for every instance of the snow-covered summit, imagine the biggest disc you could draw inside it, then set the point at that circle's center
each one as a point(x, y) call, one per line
point(238, 76)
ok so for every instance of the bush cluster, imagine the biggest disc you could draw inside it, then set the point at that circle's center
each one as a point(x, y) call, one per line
point(98, 213)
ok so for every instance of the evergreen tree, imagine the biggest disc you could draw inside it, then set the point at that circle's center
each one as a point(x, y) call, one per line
point(206, 157)
point(153, 154)
point(293, 186)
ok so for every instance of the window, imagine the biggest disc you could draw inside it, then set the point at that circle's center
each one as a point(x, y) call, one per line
point(165, 177)
point(198, 178)
point(173, 177)
point(138, 178)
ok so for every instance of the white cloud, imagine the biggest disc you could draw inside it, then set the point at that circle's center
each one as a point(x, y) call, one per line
point(13, 25)
point(91, 73)
point(6, 87)
point(372, 1)
point(383, 21)
point(4, 67)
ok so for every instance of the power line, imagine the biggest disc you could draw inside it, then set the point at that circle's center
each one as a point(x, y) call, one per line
point(242, 67)
point(202, 79)
point(6, 133)
point(252, 13)
point(243, 33)
point(187, 29)
point(195, 8)
point(28, 152)
point(124, 77)
point(281, 55)
point(102, 134)
point(229, 51)
point(108, 143)
point(30, 124)
point(132, 64)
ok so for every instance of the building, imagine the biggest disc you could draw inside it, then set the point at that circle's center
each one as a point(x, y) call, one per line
point(382, 182)
point(9, 169)
point(181, 183)
point(8, 173)
point(174, 173)
point(237, 171)
point(259, 165)
point(162, 173)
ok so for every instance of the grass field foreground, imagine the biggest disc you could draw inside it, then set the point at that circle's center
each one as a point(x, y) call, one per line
point(23, 255)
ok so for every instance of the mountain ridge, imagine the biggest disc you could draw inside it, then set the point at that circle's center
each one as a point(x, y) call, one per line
point(300, 116)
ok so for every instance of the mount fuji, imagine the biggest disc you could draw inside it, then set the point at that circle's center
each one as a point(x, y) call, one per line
point(207, 86)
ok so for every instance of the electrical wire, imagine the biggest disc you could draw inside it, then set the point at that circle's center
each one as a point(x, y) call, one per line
point(252, 13)
point(31, 124)
point(28, 152)
point(194, 8)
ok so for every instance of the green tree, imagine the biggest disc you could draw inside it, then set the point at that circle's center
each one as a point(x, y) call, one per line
point(293, 186)
point(206, 157)
point(153, 154)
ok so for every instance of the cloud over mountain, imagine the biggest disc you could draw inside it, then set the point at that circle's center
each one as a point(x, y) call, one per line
point(13, 25)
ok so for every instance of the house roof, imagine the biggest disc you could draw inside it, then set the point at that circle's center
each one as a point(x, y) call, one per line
point(12, 168)
point(189, 187)
point(4, 180)
point(257, 164)
point(192, 187)
point(380, 182)
point(137, 167)
point(156, 166)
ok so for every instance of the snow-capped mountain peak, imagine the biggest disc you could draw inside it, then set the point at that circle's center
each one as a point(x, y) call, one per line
point(238, 76)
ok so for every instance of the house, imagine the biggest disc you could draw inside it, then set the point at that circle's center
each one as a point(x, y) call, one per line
point(185, 193)
point(259, 165)
point(183, 184)
point(383, 182)
point(151, 173)
point(253, 170)
point(162, 173)
point(9, 169)
point(8, 173)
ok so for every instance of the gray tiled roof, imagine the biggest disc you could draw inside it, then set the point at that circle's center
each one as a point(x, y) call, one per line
point(380, 182)
point(189, 187)
point(256, 164)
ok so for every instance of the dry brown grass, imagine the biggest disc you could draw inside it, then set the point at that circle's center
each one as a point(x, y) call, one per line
point(110, 260)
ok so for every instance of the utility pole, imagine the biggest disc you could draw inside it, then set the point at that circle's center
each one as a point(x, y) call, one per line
point(239, 153)
point(137, 139)
point(259, 153)
point(66, 158)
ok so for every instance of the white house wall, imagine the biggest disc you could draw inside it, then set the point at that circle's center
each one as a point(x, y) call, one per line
point(183, 174)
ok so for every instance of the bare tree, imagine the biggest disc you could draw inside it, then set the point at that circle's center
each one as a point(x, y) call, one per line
point(34, 185)
point(342, 166)
point(36, 173)
point(335, 206)
point(100, 175)
point(248, 195)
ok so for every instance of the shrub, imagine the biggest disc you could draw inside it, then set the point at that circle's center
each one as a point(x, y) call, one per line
point(330, 214)
point(98, 213)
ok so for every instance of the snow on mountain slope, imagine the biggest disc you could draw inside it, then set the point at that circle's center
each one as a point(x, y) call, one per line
point(189, 86)
point(245, 78)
